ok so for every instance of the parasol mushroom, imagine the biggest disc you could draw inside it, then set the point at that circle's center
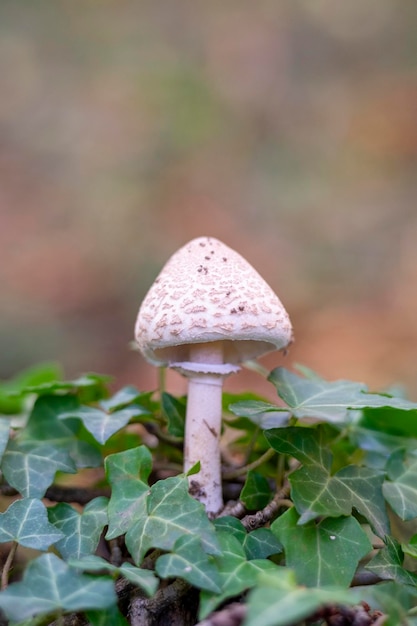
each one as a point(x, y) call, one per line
point(207, 311)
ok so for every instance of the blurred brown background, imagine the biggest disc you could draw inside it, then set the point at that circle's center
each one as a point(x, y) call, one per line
point(287, 129)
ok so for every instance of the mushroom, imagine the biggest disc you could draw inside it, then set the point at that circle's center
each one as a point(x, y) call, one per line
point(207, 311)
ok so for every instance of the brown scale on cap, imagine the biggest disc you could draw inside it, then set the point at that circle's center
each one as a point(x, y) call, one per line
point(208, 292)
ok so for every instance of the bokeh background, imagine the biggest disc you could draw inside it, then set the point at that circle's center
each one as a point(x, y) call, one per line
point(287, 129)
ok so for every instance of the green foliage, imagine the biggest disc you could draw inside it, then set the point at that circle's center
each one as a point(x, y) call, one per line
point(325, 481)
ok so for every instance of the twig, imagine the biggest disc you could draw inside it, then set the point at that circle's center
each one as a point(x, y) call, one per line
point(7, 565)
point(239, 471)
point(235, 509)
point(56, 493)
point(232, 615)
point(141, 609)
point(259, 519)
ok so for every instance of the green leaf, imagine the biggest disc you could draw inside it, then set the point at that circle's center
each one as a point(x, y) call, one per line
point(278, 601)
point(189, 562)
point(410, 547)
point(263, 414)
point(124, 397)
point(104, 618)
point(261, 543)
point(101, 424)
point(316, 492)
point(45, 435)
point(174, 412)
point(49, 585)
point(11, 400)
point(388, 564)
point(310, 446)
point(236, 573)
point(394, 600)
point(4, 435)
point(401, 491)
point(256, 492)
point(127, 473)
point(86, 380)
point(389, 420)
point(258, 544)
point(313, 550)
point(329, 401)
point(169, 512)
point(30, 467)
point(143, 578)
point(232, 525)
point(26, 522)
point(81, 531)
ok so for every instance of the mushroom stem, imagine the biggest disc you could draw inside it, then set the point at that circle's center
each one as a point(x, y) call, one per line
point(203, 425)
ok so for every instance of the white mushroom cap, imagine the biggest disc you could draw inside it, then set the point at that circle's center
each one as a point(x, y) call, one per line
point(207, 292)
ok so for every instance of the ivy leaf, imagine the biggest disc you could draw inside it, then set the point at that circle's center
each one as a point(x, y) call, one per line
point(4, 435)
point(388, 564)
point(49, 585)
point(30, 467)
point(86, 454)
point(401, 491)
point(258, 544)
point(263, 414)
point(46, 445)
point(310, 446)
point(104, 618)
point(127, 473)
point(169, 512)
point(124, 397)
point(236, 573)
point(99, 423)
point(88, 382)
point(256, 492)
point(81, 531)
point(174, 412)
point(11, 391)
point(316, 492)
point(390, 420)
point(394, 600)
point(278, 601)
point(143, 578)
point(232, 525)
point(313, 549)
point(189, 562)
point(329, 401)
point(261, 543)
point(410, 548)
point(26, 522)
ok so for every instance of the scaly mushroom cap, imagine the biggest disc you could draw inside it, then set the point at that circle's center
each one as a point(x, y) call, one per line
point(207, 292)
